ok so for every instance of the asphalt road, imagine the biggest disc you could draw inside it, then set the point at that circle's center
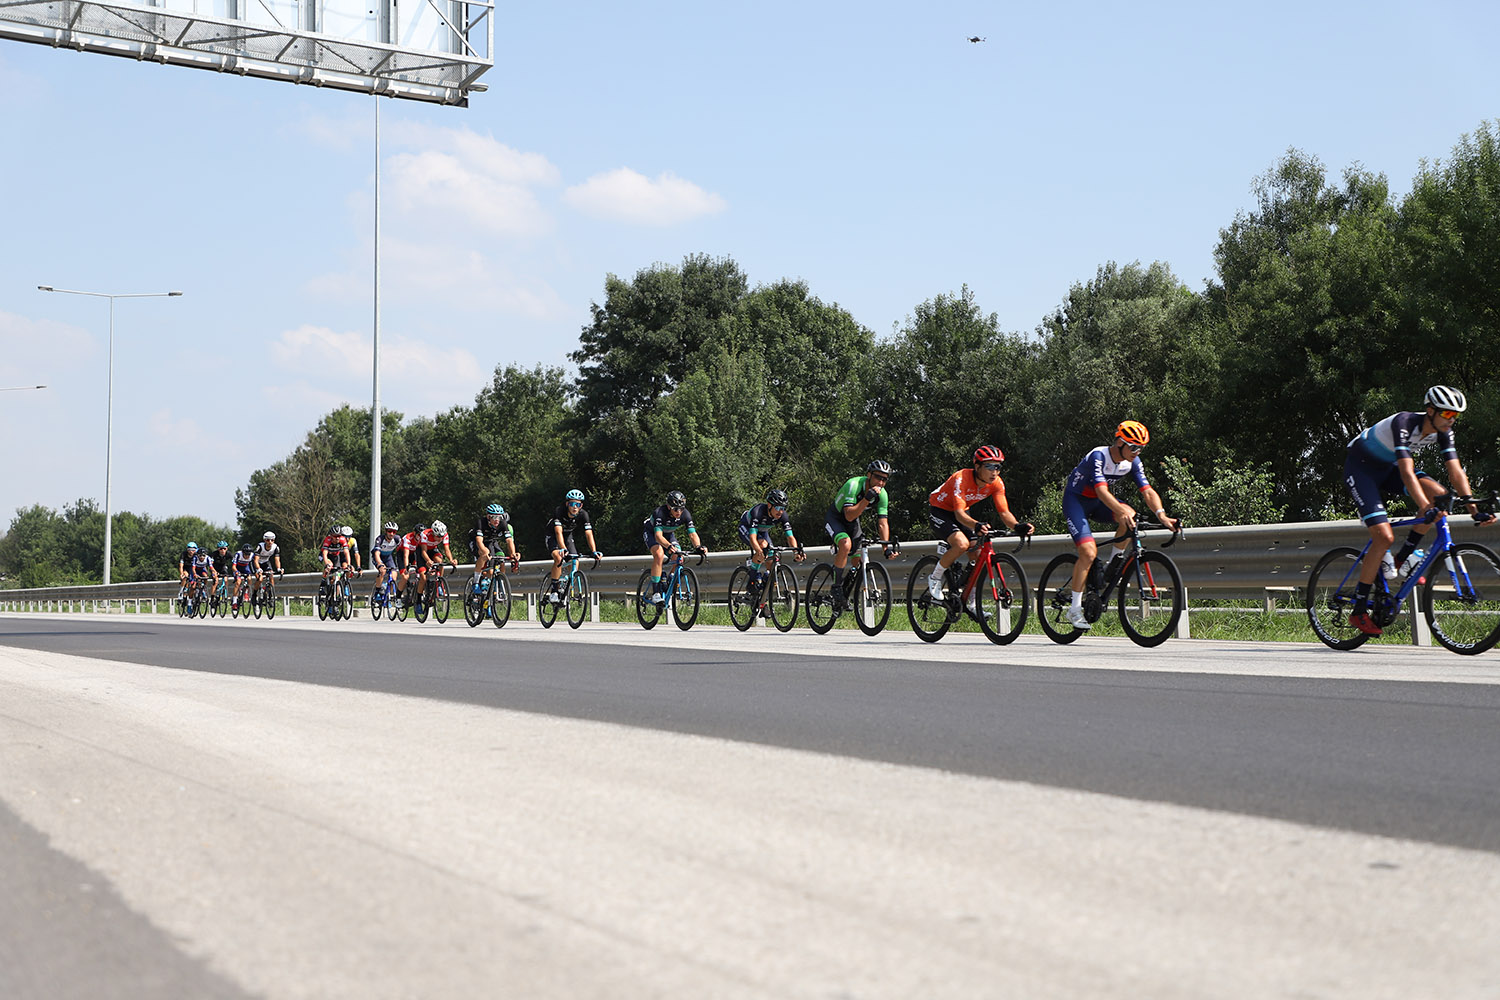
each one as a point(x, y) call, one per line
point(1410, 760)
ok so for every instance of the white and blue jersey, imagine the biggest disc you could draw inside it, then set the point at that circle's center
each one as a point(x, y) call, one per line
point(1080, 499)
point(1370, 470)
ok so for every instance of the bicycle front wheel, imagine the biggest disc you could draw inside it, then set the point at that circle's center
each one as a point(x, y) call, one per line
point(578, 599)
point(440, 600)
point(1330, 596)
point(685, 599)
point(473, 602)
point(742, 606)
point(1001, 599)
point(1150, 599)
point(499, 601)
point(872, 598)
point(781, 603)
point(1461, 599)
point(647, 612)
point(928, 618)
point(821, 610)
point(1054, 595)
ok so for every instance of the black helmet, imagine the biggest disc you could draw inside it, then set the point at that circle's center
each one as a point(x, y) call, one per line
point(676, 499)
point(776, 498)
point(247, 548)
point(880, 467)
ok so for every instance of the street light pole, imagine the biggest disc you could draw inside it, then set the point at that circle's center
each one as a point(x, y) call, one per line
point(109, 431)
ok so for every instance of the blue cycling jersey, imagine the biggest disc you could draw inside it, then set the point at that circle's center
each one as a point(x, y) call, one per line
point(1396, 437)
point(1098, 468)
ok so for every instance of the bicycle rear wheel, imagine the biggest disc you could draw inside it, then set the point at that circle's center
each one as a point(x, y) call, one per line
point(1054, 595)
point(685, 598)
point(781, 603)
point(1150, 599)
point(1461, 599)
point(820, 607)
point(929, 618)
point(742, 605)
point(1000, 595)
point(646, 612)
point(872, 598)
point(578, 599)
point(499, 601)
point(1330, 596)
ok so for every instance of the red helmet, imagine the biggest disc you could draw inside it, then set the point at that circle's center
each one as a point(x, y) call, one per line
point(1133, 432)
point(989, 453)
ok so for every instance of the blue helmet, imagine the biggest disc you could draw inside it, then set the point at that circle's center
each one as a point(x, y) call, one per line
point(193, 545)
point(222, 544)
point(494, 510)
point(574, 495)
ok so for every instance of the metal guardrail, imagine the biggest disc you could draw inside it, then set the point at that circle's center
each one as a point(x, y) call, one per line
point(1241, 561)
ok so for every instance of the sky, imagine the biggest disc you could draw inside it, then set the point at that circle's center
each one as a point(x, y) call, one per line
point(868, 149)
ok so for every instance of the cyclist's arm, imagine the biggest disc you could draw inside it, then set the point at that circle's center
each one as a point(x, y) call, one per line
point(962, 516)
point(588, 533)
point(883, 524)
point(1460, 481)
point(1156, 507)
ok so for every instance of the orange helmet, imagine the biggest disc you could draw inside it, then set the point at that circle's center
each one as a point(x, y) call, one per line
point(1133, 432)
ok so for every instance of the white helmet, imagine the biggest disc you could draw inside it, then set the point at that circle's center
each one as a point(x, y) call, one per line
point(1443, 397)
point(346, 531)
point(269, 536)
point(439, 528)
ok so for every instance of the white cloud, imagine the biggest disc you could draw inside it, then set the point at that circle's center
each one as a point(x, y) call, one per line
point(35, 351)
point(441, 191)
point(482, 153)
point(627, 196)
point(317, 348)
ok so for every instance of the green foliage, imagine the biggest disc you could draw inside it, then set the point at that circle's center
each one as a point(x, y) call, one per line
point(1235, 495)
point(43, 548)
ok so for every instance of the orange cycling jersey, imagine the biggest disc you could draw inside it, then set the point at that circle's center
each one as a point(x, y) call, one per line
point(961, 492)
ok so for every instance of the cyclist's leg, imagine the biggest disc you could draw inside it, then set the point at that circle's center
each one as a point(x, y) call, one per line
point(1078, 511)
point(945, 527)
point(1431, 491)
point(481, 554)
point(557, 556)
point(843, 533)
point(1365, 484)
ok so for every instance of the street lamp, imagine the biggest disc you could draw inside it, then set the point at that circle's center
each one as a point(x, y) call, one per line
point(109, 431)
point(18, 388)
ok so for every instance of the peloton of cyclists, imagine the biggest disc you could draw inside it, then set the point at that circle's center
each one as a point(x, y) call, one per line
point(1087, 496)
point(1379, 461)
point(948, 510)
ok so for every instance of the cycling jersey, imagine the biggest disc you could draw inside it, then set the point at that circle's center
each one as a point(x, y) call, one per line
point(264, 553)
point(431, 542)
point(1397, 436)
point(1099, 469)
point(569, 522)
point(664, 521)
point(853, 491)
point(490, 532)
point(202, 564)
point(335, 546)
point(243, 564)
point(963, 491)
point(386, 544)
point(221, 562)
point(758, 519)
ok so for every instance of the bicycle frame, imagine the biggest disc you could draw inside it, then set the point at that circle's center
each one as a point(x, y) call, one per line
point(984, 559)
point(1442, 541)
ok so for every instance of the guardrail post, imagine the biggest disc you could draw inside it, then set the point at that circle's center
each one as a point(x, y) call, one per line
point(530, 606)
point(286, 606)
point(594, 606)
point(1421, 635)
point(1183, 631)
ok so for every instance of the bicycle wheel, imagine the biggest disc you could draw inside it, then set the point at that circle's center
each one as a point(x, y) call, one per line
point(400, 610)
point(473, 602)
point(685, 599)
point(546, 609)
point(346, 592)
point(1461, 598)
point(440, 600)
point(1330, 595)
point(646, 612)
point(1054, 597)
point(499, 600)
point(1001, 599)
point(419, 602)
point(782, 602)
point(322, 602)
point(820, 607)
point(377, 607)
point(1150, 600)
point(578, 599)
point(872, 599)
point(742, 605)
point(270, 602)
point(929, 618)
point(203, 604)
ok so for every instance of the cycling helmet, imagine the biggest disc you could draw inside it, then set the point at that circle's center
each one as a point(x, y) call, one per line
point(1133, 432)
point(419, 529)
point(269, 536)
point(880, 467)
point(494, 510)
point(676, 498)
point(222, 545)
point(392, 526)
point(346, 531)
point(574, 495)
point(1443, 397)
point(439, 528)
point(247, 548)
point(193, 546)
point(989, 453)
point(776, 498)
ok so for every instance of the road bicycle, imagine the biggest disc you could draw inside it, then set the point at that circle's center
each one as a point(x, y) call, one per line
point(571, 594)
point(265, 595)
point(681, 592)
point(866, 587)
point(244, 589)
point(991, 589)
point(385, 598)
point(218, 598)
point(1459, 583)
point(187, 599)
point(1146, 586)
point(772, 593)
point(432, 596)
point(336, 596)
point(487, 594)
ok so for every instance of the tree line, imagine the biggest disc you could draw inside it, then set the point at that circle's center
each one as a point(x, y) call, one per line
point(1333, 304)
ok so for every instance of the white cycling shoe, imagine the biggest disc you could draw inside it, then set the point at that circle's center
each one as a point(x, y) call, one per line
point(1077, 619)
point(935, 584)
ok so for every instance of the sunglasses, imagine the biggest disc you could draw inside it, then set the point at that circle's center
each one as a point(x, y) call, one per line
point(1132, 447)
point(1448, 414)
point(575, 503)
point(991, 466)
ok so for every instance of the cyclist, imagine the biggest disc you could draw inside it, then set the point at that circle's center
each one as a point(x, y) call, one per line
point(221, 559)
point(854, 499)
point(489, 528)
point(267, 558)
point(242, 567)
point(948, 510)
point(1379, 461)
point(190, 570)
point(408, 560)
point(333, 550)
point(387, 554)
point(352, 548)
point(660, 536)
point(757, 523)
point(568, 518)
point(428, 543)
point(1087, 496)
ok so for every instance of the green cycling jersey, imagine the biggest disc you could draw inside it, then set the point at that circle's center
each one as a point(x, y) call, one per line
point(853, 492)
